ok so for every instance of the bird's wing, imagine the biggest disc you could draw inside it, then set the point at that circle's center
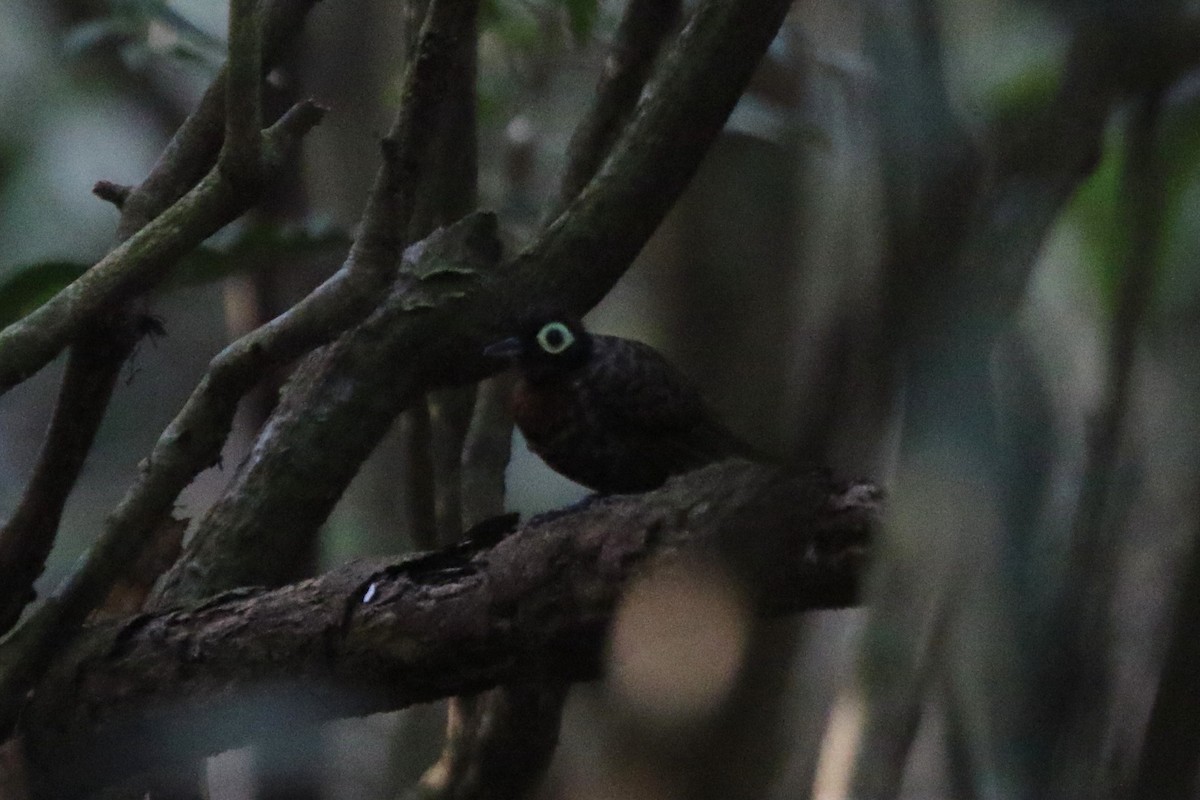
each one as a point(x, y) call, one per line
point(644, 395)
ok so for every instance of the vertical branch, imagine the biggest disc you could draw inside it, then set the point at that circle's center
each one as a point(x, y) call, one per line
point(1170, 753)
point(27, 537)
point(1093, 557)
point(450, 192)
point(240, 153)
point(419, 477)
point(486, 451)
point(500, 743)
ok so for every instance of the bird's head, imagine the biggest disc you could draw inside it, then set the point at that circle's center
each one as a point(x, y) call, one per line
point(545, 346)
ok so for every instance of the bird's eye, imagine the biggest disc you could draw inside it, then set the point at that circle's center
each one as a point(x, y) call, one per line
point(555, 337)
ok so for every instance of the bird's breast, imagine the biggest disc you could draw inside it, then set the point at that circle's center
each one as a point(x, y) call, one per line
point(543, 411)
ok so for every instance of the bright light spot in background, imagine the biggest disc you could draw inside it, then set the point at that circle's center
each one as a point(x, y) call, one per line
point(677, 644)
point(621, 784)
point(532, 487)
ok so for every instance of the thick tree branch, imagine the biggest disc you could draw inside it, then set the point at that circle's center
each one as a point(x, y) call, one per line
point(193, 440)
point(376, 251)
point(212, 201)
point(432, 332)
point(369, 637)
point(635, 46)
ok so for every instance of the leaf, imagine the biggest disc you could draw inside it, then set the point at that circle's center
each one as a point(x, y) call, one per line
point(581, 17)
point(30, 286)
point(252, 247)
point(25, 288)
point(1095, 212)
point(1096, 207)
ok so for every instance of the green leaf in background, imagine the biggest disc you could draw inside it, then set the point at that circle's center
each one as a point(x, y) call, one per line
point(1096, 206)
point(581, 17)
point(1095, 212)
point(1179, 143)
point(1024, 95)
point(25, 288)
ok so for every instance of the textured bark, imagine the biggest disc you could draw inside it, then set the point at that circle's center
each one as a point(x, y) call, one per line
point(370, 637)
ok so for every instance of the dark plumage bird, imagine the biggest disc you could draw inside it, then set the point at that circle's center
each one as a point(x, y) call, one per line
point(606, 412)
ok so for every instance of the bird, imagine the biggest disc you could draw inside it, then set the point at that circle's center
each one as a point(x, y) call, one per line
point(607, 412)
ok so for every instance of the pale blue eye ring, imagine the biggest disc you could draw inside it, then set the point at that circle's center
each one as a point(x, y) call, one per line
point(555, 337)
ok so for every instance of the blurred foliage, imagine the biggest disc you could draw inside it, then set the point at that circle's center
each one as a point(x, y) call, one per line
point(1025, 94)
point(1096, 208)
point(522, 39)
point(581, 14)
point(509, 18)
point(144, 30)
point(28, 286)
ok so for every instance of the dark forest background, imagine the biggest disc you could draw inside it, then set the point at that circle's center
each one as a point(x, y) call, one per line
point(949, 248)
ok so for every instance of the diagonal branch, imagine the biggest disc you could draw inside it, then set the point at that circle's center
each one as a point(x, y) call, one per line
point(139, 262)
point(376, 251)
point(193, 440)
point(635, 46)
point(432, 332)
point(28, 536)
point(370, 636)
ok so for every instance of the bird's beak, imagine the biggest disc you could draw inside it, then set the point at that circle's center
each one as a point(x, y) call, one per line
point(505, 348)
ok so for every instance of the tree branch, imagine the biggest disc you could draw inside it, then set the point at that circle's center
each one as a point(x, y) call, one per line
point(95, 359)
point(390, 207)
point(28, 536)
point(370, 637)
point(432, 330)
point(194, 147)
point(241, 150)
point(635, 46)
point(139, 262)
